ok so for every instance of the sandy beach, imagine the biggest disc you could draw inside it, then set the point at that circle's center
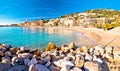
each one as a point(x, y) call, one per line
point(109, 38)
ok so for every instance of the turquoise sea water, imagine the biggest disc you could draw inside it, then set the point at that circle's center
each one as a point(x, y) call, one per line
point(34, 38)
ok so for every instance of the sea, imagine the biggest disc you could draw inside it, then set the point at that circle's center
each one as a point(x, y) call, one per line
point(33, 37)
point(40, 37)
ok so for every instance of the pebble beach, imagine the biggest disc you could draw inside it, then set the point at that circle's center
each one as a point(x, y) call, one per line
point(67, 57)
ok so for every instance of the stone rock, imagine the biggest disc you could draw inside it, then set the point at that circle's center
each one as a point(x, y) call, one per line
point(32, 68)
point(91, 50)
point(104, 67)
point(79, 62)
point(3, 49)
point(32, 61)
point(98, 60)
point(66, 68)
point(42, 68)
point(44, 54)
point(25, 55)
point(14, 63)
point(37, 53)
point(70, 58)
point(56, 58)
point(63, 63)
point(4, 67)
point(20, 61)
point(1, 53)
point(71, 45)
point(109, 50)
point(91, 66)
point(18, 68)
point(19, 52)
point(116, 51)
point(88, 57)
point(48, 58)
point(6, 57)
point(64, 48)
point(108, 56)
point(1, 46)
point(50, 46)
point(71, 54)
point(84, 49)
point(7, 46)
point(7, 53)
point(41, 61)
point(76, 69)
point(48, 64)
point(6, 61)
point(26, 61)
point(56, 53)
point(14, 50)
point(99, 50)
point(54, 68)
point(37, 57)
point(24, 48)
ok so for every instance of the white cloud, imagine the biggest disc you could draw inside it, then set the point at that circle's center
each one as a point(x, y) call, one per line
point(8, 21)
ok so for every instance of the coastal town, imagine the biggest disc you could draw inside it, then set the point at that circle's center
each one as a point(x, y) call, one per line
point(100, 18)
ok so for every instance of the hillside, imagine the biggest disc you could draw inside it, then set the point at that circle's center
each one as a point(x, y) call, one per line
point(100, 18)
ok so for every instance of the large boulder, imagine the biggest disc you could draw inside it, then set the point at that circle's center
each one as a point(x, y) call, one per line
point(1, 46)
point(79, 61)
point(50, 46)
point(63, 63)
point(24, 48)
point(99, 50)
point(71, 45)
point(64, 48)
point(82, 49)
point(18, 68)
point(76, 69)
point(25, 55)
point(32, 68)
point(66, 68)
point(88, 57)
point(8, 46)
point(91, 66)
point(1, 53)
point(4, 67)
point(32, 61)
point(26, 61)
point(48, 64)
point(8, 53)
point(37, 53)
point(14, 50)
point(6, 61)
point(42, 68)
point(48, 58)
point(54, 68)
point(116, 51)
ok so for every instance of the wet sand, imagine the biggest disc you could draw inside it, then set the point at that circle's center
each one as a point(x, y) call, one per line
point(109, 38)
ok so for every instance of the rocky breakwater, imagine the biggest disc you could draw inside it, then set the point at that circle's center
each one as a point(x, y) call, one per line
point(65, 58)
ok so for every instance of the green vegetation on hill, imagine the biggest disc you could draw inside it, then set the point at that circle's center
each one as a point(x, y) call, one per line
point(104, 12)
point(112, 18)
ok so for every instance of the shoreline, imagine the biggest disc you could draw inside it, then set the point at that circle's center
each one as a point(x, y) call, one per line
point(109, 38)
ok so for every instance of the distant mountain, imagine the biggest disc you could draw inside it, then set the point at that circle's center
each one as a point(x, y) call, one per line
point(100, 18)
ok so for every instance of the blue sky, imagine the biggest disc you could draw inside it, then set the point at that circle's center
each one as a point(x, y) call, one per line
point(17, 11)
